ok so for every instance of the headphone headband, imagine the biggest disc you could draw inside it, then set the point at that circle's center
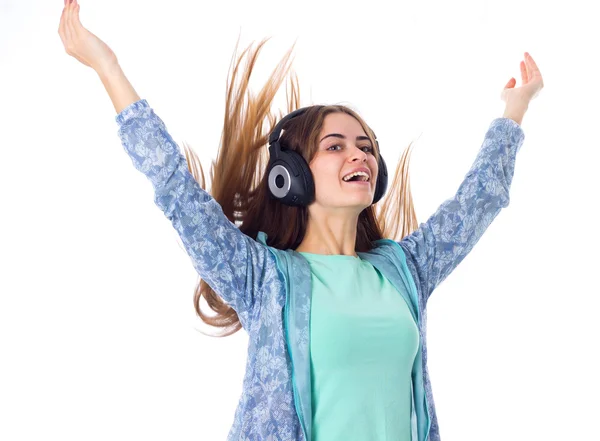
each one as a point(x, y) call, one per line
point(276, 133)
point(277, 130)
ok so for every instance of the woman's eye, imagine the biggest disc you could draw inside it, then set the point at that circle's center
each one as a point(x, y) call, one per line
point(368, 147)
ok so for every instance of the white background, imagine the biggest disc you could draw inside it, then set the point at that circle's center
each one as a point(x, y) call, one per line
point(98, 336)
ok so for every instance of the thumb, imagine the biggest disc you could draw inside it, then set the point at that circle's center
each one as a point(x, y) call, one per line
point(510, 85)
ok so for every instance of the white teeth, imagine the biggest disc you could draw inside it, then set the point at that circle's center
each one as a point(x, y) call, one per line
point(359, 173)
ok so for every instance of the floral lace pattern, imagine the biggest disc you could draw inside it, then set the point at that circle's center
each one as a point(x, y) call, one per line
point(245, 274)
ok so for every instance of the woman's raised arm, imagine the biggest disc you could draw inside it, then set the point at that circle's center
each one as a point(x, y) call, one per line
point(236, 266)
point(444, 240)
point(93, 52)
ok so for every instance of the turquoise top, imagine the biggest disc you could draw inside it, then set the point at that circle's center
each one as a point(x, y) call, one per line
point(363, 343)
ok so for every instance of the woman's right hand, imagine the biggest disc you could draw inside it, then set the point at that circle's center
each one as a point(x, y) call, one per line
point(81, 43)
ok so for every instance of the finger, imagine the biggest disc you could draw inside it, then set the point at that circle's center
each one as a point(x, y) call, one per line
point(528, 69)
point(535, 70)
point(511, 83)
point(70, 26)
point(76, 21)
point(524, 78)
point(61, 26)
point(66, 29)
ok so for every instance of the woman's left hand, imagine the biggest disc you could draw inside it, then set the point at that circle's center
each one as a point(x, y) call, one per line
point(532, 84)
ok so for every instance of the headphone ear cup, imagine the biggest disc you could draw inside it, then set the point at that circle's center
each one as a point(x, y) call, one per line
point(290, 180)
point(382, 180)
point(303, 184)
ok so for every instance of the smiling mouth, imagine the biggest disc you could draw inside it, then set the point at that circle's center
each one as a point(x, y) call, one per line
point(357, 182)
point(358, 178)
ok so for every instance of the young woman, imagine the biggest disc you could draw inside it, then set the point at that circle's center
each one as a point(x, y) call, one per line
point(334, 307)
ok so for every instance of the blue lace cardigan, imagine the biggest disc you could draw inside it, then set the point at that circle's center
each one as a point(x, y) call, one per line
point(270, 289)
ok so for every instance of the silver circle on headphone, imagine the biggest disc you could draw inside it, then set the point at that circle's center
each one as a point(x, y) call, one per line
point(276, 171)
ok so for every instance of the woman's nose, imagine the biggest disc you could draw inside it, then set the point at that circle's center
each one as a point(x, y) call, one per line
point(358, 153)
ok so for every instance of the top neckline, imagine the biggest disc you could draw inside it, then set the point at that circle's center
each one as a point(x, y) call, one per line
point(315, 255)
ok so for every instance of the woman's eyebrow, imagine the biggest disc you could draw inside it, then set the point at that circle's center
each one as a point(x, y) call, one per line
point(337, 135)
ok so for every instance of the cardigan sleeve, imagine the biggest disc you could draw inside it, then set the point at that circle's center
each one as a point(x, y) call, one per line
point(232, 263)
point(445, 239)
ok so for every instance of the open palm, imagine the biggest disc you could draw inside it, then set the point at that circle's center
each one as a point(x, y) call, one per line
point(81, 43)
point(531, 78)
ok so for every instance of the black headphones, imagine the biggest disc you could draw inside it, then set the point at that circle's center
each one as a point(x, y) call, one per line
point(290, 179)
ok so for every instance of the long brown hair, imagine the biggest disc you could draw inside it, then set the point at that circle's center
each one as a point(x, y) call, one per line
point(239, 183)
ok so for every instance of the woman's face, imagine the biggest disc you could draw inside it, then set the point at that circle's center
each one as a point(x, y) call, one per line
point(343, 146)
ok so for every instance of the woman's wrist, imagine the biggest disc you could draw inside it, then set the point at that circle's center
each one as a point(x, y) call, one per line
point(120, 90)
point(515, 111)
